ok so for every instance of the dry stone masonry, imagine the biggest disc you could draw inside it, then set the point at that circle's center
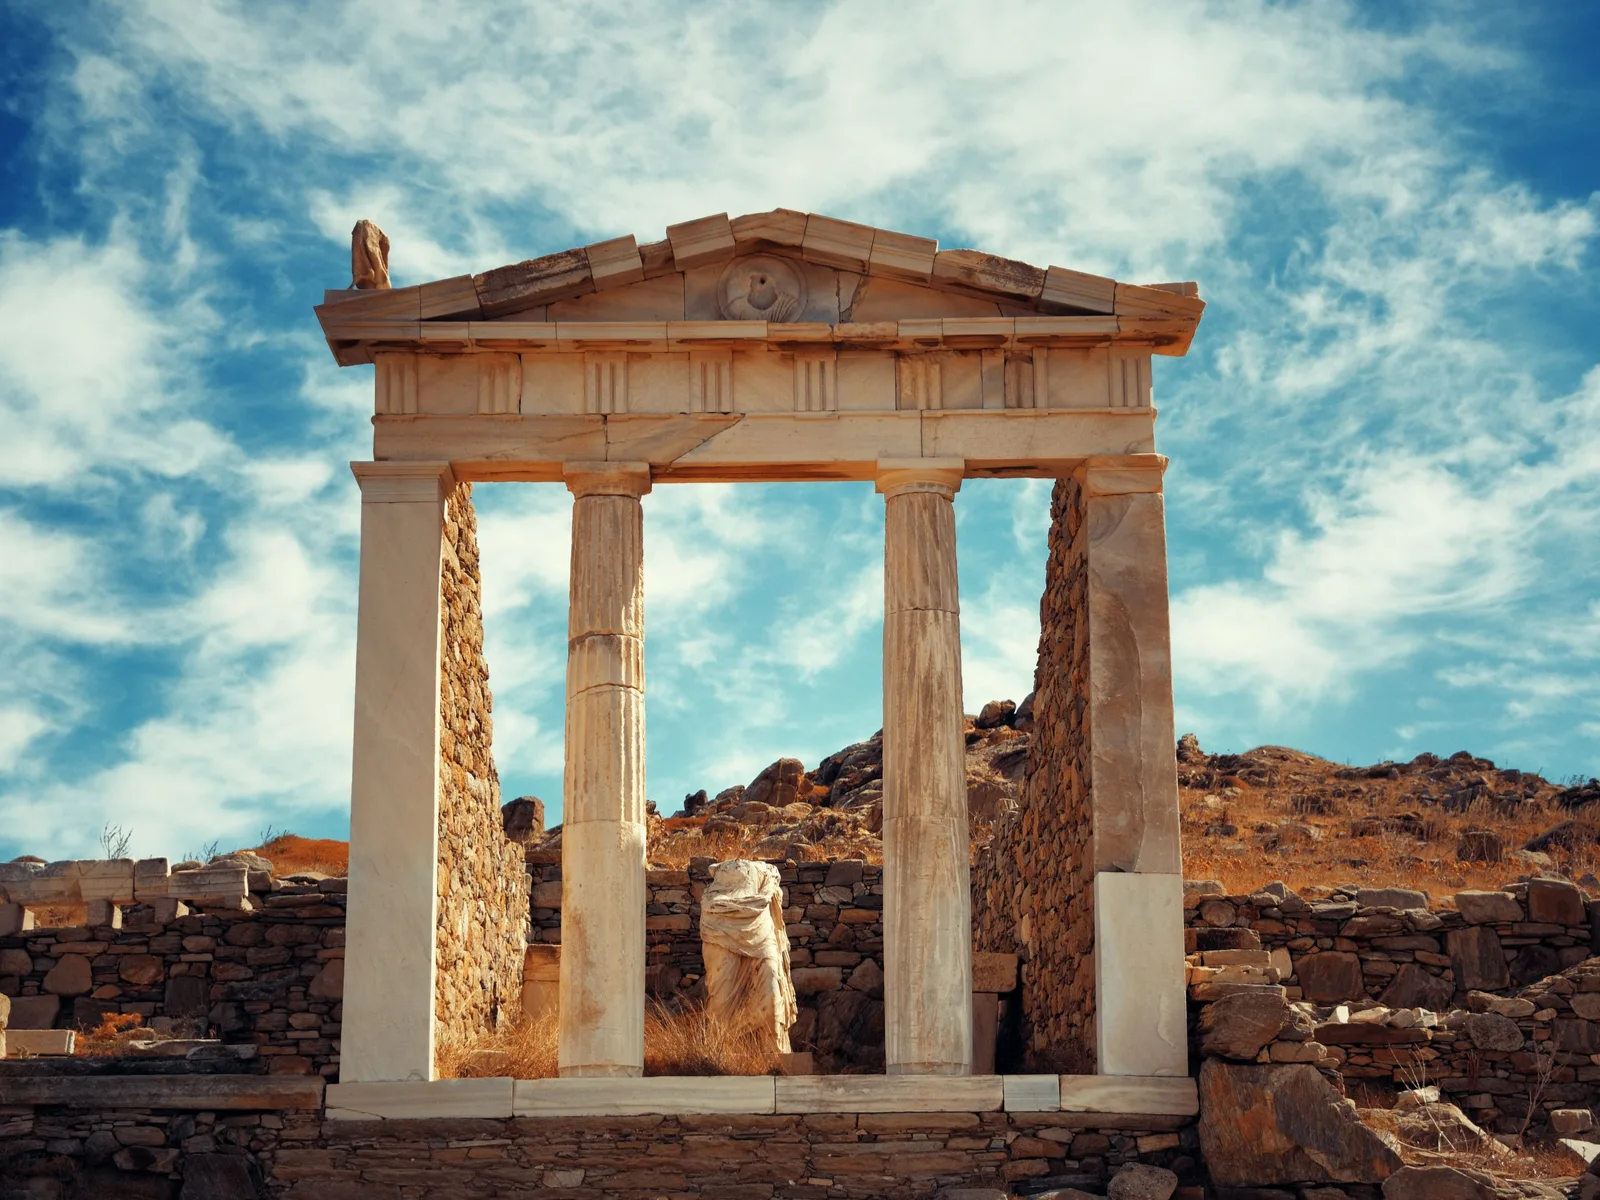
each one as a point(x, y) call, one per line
point(483, 899)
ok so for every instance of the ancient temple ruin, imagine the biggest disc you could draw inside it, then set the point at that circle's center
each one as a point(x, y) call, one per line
point(775, 347)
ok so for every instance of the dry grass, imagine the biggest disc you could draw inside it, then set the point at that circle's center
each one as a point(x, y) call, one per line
point(1380, 859)
point(675, 1043)
point(117, 1032)
point(289, 854)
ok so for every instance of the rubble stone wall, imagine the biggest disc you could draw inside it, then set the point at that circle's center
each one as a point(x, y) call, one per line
point(55, 1151)
point(1347, 947)
point(271, 978)
point(483, 889)
point(1496, 1001)
point(1032, 886)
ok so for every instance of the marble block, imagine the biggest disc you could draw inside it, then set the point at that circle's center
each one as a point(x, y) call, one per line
point(1032, 1093)
point(634, 1097)
point(1132, 1095)
point(420, 1098)
point(890, 1093)
point(1140, 1006)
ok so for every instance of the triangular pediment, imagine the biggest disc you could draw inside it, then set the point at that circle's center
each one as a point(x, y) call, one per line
point(792, 272)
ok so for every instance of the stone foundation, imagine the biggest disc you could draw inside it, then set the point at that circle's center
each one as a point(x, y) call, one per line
point(68, 1153)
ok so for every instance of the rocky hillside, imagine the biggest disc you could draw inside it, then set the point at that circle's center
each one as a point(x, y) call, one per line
point(1270, 813)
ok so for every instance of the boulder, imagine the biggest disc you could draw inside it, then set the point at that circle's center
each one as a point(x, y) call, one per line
point(1491, 1031)
point(1440, 1127)
point(1488, 908)
point(69, 977)
point(1414, 986)
point(1329, 976)
point(1263, 1126)
point(1477, 958)
point(15, 962)
point(1136, 1181)
point(995, 713)
point(1556, 902)
point(1391, 898)
point(809, 981)
point(522, 819)
point(1566, 1122)
point(1238, 1026)
point(328, 983)
point(1439, 1183)
point(778, 785)
point(1480, 845)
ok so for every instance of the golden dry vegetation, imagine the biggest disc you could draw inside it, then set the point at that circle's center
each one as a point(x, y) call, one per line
point(676, 1042)
point(1279, 814)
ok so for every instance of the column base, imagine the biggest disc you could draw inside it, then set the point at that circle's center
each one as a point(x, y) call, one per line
point(939, 1068)
point(601, 1071)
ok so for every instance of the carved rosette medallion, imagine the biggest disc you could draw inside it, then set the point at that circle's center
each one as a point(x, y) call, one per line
point(762, 288)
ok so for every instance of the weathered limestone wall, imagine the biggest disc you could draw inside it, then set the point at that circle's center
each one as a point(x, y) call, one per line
point(1032, 887)
point(271, 979)
point(483, 888)
point(119, 1151)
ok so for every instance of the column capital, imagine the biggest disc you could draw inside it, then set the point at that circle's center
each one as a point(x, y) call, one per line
point(403, 482)
point(897, 476)
point(1123, 474)
point(606, 478)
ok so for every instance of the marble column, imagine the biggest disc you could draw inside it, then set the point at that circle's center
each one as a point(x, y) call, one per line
point(927, 904)
point(394, 785)
point(1133, 794)
point(602, 833)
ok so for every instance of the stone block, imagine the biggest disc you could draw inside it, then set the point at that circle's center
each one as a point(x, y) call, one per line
point(218, 1177)
point(1477, 958)
point(40, 1042)
point(1490, 1031)
point(1141, 1014)
point(71, 976)
point(1329, 976)
point(1391, 898)
point(1031, 1093)
point(1567, 1122)
point(1415, 987)
point(420, 1099)
point(1129, 1095)
point(809, 981)
point(186, 996)
point(1238, 1026)
point(34, 1012)
point(993, 972)
point(890, 1093)
point(639, 1096)
point(141, 969)
point(1556, 902)
point(15, 919)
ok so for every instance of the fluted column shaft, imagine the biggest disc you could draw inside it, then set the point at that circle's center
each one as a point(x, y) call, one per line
point(394, 784)
point(603, 835)
point(927, 905)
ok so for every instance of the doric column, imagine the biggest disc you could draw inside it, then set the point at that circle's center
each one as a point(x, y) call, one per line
point(1133, 793)
point(602, 832)
point(394, 784)
point(927, 904)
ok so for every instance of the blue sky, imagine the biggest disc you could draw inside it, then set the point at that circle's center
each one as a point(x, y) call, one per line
point(1384, 499)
